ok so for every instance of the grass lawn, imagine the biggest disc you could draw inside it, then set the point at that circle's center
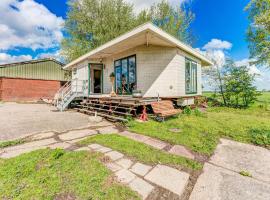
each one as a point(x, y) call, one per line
point(140, 151)
point(56, 174)
point(201, 133)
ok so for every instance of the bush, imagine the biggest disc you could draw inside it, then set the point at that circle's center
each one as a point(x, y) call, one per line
point(187, 110)
point(57, 153)
point(260, 137)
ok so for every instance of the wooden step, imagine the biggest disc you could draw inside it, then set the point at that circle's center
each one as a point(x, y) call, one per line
point(101, 114)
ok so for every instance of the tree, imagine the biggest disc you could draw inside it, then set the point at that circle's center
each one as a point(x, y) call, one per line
point(215, 74)
point(174, 20)
point(258, 33)
point(233, 83)
point(91, 23)
point(238, 84)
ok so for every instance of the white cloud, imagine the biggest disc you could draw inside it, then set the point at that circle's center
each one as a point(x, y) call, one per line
point(262, 78)
point(28, 24)
point(253, 69)
point(216, 44)
point(7, 58)
point(139, 5)
point(55, 55)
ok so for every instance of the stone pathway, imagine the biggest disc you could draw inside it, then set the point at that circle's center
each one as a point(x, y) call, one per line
point(145, 179)
point(221, 179)
point(158, 144)
point(140, 177)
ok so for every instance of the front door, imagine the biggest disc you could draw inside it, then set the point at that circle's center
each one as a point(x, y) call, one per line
point(97, 81)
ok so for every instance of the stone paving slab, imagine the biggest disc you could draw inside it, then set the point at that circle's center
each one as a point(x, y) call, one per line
point(103, 150)
point(17, 152)
point(134, 136)
point(168, 178)
point(38, 143)
point(113, 167)
point(76, 140)
point(82, 149)
point(60, 145)
point(71, 135)
point(41, 136)
point(95, 146)
point(108, 130)
point(140, 169)
point(158, 144)
point(243, 157)
point(114, 155)
point(125, 176)
point(124, 163)
point(217, 183)
point(142, 187)
point(181, 151)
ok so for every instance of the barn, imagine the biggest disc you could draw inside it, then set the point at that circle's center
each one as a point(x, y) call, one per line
point(31, 80)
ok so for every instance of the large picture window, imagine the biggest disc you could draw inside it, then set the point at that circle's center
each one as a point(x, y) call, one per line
point(125, 75)
point(191, 77)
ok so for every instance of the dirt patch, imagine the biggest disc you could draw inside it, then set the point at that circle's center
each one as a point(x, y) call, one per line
point(162, 194)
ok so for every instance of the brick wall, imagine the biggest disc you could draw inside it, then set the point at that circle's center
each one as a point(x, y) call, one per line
point(16, 89)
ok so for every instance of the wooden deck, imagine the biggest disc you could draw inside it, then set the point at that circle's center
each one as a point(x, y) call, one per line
point(115, 108)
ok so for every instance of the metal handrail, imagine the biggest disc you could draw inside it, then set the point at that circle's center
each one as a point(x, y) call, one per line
point(68, 90)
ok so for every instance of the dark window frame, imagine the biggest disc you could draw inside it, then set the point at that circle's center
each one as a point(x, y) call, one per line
point(127, 58)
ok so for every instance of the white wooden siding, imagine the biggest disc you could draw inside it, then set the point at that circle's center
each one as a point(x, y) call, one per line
point(160, 70)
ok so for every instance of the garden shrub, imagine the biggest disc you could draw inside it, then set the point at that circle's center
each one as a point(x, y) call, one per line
point(187, 110)
point(260, 137)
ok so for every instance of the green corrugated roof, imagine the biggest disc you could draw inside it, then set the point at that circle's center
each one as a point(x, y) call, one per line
point(44, 69)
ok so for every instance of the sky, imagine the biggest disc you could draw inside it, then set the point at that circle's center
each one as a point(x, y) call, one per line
point(31, 29)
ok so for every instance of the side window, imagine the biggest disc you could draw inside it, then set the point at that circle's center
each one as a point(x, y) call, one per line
point(191, 77)
point(74, 72)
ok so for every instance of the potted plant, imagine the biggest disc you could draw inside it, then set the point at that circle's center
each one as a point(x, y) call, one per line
point(112, 78)
point(137, 93)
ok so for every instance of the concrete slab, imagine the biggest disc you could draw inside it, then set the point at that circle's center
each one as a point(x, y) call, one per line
point(124, 163)
point(33, 144)
point(71, 135)
point(243, 157)
point(60, 145)
point(140, 169)
point(125, 176)
point(113, 167)
point(102, 123)
point(142, 187)
point(95, 146)
point(181, 151)
point(103, 150)
point(108, 130)
point(82, 149)
point(114, 155)
point(168, 178)
point(20, 120)
point(17, 152)
point(217, 183)
point(134, 136)
point(76, 140)
point(156, 143)
point(41, 136)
